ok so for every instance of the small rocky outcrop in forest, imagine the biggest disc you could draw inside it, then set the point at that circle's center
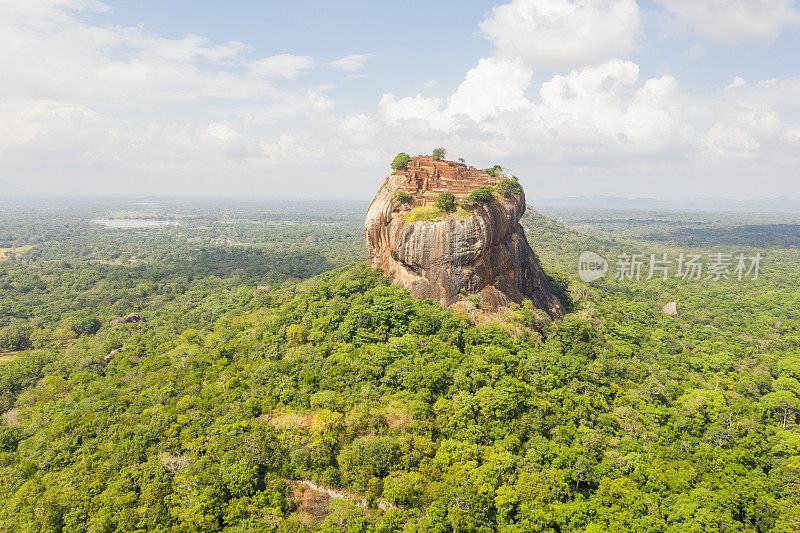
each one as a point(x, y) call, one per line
point(475, 247)
point(132, 318)
point(671, 309)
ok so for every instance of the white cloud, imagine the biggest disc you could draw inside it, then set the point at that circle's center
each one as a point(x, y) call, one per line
point(289, 149)
point(776, 92)
point(736, 21)
point(696, 52)
point(738, 81)
point(81, 102)
point(792, 135)
point(605, 106)
point(46, 13)
point(417, 112)
point(727, 140)
point(286, 65)
point(561, 34)
point(596, 110)
point(350, 62)
point(599, 115)
point(494, 85)
point(122, 100)
point(47, 53)
point(49, 129)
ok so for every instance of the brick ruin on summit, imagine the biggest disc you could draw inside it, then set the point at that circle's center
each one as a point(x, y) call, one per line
point(428, 178)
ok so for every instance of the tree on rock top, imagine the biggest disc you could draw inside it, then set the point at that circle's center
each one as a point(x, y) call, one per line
point(401, 196)
point(481, 194)
point(439, 153)
point(446, 202)
point(495, 171)
point(509, 188)
point(400, 161)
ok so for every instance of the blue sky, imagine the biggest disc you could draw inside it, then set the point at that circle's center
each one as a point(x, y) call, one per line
point(668, 98)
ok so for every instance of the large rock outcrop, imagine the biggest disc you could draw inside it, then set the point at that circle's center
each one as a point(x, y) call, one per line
point(478, 249)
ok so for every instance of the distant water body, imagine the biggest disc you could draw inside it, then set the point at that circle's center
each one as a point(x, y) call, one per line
point(133, 222)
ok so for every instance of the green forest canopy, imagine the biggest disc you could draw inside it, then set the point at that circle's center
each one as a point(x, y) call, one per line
point(617, 417)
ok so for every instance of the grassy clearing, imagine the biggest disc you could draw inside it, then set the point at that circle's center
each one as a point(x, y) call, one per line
point(5, 253)
point(431, 212)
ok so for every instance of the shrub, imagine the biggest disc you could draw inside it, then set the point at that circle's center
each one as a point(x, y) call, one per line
point(10, 436)
point(532, 317)
point(400, 161)
point(509, 188)
point(16, 338)
point(371, 456)
point(446, 202)
point(400, 196)
point(439, 153)
point(110, 345)
point(296, 334)
point(86, 325)
point(495, 171)
point(324, 399)
point(404, 488)
point(481, 194)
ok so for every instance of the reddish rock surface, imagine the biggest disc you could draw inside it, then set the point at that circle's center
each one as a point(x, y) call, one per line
point(481, 252)
point(425, 178)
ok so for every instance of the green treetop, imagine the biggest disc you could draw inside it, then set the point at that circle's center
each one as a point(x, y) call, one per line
point(446, 202)
point(400, 161)
point(495, 171)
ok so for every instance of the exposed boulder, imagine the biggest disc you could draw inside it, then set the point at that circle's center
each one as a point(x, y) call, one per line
point(112, 354)
point(671, 309)
point(133, 318)
point(478, 249)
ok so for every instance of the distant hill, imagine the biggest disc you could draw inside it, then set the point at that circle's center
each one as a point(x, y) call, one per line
point(778, 204)
point(558, 246)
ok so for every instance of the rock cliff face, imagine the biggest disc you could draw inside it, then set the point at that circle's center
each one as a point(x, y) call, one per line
point(480, 249)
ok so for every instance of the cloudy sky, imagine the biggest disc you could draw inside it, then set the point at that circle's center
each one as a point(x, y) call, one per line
point(662, 98)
